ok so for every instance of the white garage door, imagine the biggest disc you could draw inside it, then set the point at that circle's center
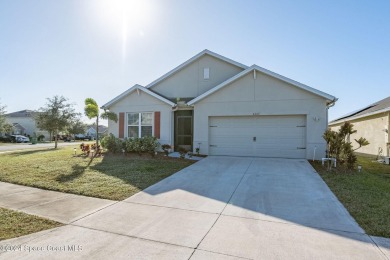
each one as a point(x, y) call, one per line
point(263, 136)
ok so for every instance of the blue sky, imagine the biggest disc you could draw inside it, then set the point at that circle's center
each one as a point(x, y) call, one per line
point(98, 49)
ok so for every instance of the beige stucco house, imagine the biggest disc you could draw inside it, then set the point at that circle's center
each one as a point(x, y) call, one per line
point(371, 122)
point(23, 123)
point(223, 107)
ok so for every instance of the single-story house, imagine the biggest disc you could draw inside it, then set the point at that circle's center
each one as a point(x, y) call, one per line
point(223, 107)
point(23, 123)
point(371, 122)
point(91, 130)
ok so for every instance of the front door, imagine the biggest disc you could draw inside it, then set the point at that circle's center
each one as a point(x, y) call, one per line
point(183, 129)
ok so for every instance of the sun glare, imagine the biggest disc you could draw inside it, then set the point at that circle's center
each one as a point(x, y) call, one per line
point(127, 18)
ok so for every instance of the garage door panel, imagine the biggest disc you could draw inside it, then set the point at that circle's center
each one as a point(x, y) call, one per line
point(224, 131)
point(233, 151)
point(279, 132)
point(281, 153)
point(276, 136)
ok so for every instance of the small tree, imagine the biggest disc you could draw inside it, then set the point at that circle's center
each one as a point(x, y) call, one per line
point(4, 126)
point(56, 116)
point(340, 147)
point(76, 127)
point(92, 110)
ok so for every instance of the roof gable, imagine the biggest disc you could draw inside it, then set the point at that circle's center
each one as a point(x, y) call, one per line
point(136, 88)
point(190, 61)
point(269, 73)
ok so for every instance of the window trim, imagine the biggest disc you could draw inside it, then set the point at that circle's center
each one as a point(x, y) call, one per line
point(139, 123)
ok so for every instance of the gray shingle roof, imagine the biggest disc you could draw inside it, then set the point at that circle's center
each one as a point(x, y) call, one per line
point(381, 105)
point(22, 113)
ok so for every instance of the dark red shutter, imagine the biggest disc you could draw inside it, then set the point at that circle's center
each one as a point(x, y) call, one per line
point(157, 116)
point(121, 125)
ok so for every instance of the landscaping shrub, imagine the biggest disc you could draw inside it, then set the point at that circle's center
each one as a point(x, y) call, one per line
point(112, 144)
point(146, 144)
point(340, 147)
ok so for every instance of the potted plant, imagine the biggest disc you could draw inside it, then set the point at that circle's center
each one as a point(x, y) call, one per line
point(182, 151)
point(166, 148)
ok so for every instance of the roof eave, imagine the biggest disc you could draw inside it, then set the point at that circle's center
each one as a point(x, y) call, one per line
point(338, 121)
point(132, 89)
point(328, 97)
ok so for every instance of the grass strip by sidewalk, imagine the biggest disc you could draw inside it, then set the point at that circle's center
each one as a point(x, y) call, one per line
point(114, 177)
point(15, 224)
point(366, 194)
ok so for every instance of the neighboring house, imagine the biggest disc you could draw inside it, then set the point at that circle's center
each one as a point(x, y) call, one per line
point(371, 122)
point(223, 107)
point(17, 129)
point(24, 123)
point(91, 130)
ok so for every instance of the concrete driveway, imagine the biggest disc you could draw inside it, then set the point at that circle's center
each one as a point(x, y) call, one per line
point(218, 208)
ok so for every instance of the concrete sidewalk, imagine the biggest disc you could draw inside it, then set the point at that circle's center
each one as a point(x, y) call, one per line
point(58, 206)
point(218, 208)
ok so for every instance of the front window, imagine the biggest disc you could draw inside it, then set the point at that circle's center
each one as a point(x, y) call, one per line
point(140, 124)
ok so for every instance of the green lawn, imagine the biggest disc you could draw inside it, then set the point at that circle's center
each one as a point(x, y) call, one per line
point(15, 224)
point(114, 177)
point(366, 195)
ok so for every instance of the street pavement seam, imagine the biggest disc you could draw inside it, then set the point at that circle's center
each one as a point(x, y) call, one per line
point(134, 237)
point(379, 248)
point(112, 204)
point(240, 257)
point(168, 207)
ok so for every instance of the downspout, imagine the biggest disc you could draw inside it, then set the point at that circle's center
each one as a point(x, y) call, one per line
point(388, 135)
point(329, 105)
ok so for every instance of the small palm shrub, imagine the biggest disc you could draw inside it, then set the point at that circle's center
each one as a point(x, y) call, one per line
point(340, 147)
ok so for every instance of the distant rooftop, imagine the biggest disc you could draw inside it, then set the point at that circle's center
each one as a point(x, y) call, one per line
point(377, 107)
point(22, 113)
point(101, 129)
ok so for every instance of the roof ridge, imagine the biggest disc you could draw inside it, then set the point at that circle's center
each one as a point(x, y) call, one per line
point(191, 60)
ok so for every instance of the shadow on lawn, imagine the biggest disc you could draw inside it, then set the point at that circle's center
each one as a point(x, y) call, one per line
point(28, 152)
point(77, 171)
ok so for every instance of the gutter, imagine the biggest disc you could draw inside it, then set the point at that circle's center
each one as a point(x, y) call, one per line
point(332, 103)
